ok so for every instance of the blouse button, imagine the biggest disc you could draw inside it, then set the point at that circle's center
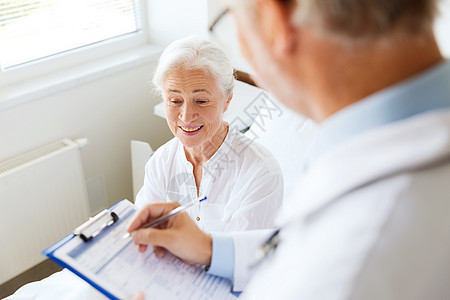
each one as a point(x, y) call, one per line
point(198, 218)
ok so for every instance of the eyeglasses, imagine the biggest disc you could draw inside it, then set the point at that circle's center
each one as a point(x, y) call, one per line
point(217, 19)
point(241, 76)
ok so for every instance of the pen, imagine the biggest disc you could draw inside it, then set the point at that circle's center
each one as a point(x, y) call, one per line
point(172, 213)
point(266, 248)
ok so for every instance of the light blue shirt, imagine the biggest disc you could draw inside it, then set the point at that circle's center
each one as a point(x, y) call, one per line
point(422, 93)
point(222, 259)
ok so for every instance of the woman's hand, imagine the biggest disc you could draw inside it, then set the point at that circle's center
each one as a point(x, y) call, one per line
point(179, 234)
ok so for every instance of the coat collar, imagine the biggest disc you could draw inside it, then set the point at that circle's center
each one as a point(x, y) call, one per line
point(410, 144)
point(426, 91)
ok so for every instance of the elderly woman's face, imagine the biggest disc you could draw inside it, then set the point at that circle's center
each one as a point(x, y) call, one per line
point(194, 105)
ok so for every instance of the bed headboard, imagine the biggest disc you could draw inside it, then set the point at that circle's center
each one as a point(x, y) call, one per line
point(244, 77)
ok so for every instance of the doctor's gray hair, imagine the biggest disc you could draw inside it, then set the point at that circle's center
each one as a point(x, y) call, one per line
point(366, 18)
point(195, 53)
point(351, 21)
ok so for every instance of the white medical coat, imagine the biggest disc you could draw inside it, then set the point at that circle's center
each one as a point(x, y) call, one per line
point(373, 221)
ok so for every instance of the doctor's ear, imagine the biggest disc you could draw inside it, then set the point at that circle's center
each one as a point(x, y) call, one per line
point(276, 24)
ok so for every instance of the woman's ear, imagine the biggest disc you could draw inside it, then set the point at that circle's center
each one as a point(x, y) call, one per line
point(227, 102)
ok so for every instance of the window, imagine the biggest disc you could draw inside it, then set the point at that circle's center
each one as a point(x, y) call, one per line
point(31, 30)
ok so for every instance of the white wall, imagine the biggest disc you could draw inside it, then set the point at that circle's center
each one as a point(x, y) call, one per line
point(173, 19)
point(109, 112)
point(442, 28)
point(169, 20)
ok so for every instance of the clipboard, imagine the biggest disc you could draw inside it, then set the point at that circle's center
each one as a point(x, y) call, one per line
point(97, 253)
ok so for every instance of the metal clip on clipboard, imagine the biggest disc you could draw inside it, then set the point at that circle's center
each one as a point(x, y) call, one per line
point(96, 224)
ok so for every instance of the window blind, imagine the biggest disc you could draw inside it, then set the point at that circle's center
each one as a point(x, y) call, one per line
point(32, 29)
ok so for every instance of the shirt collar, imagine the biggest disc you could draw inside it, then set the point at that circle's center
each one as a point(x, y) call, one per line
point(427, 91)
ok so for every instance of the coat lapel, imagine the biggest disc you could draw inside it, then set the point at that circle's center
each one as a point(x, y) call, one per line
point(410, 144)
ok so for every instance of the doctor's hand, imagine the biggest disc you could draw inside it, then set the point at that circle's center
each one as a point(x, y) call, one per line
point(179, 234)
point(138, 296)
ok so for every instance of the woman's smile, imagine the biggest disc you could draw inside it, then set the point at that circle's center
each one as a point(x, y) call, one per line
point(191, 130)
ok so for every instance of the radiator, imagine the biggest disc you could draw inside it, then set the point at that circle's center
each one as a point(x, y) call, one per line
point(43, 198)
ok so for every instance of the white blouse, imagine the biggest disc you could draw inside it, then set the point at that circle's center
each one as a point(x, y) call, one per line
point(242, 180)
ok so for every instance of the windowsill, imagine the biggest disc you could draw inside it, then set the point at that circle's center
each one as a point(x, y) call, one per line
point(36, 88)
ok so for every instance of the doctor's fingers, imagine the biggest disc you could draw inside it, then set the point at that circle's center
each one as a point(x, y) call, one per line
point(150, 212)
point(138, 296)
point(153, 236)
point(142, 248)
point(159, 251)
point(183, 239)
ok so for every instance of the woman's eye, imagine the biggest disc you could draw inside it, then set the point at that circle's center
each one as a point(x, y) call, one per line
point(202, 101)
point(175, 101)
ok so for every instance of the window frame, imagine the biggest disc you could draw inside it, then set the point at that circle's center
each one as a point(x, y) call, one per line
point(72, 58)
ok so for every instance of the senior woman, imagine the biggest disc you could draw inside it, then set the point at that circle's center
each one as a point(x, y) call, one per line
point(241, 179)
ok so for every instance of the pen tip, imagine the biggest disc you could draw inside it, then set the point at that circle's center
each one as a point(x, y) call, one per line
point(204, 198)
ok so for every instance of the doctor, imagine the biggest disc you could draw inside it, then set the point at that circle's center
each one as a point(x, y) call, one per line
point(370, 216)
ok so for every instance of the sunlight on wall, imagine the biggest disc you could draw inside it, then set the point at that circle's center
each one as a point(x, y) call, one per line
point(442, 28)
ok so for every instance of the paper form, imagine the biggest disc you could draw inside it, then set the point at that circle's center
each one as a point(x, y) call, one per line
point(117, 266)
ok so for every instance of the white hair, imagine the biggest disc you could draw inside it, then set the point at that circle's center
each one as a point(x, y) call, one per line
point(195, 53)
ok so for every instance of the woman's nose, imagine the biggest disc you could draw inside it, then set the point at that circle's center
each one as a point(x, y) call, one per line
point(187, 113)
